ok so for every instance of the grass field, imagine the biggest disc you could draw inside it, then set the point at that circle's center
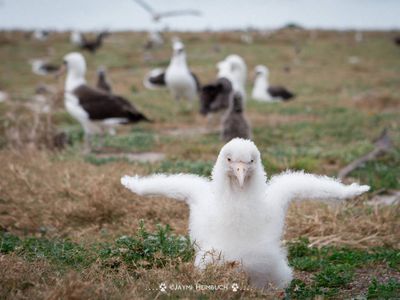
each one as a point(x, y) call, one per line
point(69, 230)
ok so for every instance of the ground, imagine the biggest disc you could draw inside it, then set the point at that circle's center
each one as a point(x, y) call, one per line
point(68, 229)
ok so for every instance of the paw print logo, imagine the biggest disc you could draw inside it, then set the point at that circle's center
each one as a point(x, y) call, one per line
point(163, 287)
point(235, 287)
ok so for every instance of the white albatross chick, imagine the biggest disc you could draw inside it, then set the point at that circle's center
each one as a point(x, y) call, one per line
point(237, 215)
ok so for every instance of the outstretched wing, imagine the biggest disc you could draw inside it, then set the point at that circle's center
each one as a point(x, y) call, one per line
point(145, 6)
point(184, 187)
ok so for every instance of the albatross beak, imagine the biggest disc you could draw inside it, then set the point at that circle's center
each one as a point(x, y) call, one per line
point(240, 170)
point(61, 71)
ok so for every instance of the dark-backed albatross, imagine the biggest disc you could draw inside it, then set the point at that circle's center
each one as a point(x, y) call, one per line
point(94, 109)
point(263, 92)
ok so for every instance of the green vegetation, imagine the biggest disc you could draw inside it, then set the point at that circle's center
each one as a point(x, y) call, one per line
point(330, 268)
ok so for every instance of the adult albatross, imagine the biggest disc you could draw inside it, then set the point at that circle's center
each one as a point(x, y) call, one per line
point(93, 108)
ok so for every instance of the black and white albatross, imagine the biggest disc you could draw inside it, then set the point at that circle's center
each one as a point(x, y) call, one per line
point(94, 109)
point(264, 92)
point(178, 78)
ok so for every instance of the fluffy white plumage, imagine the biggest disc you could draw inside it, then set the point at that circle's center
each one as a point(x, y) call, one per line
point(237, 215)
point(178, 77)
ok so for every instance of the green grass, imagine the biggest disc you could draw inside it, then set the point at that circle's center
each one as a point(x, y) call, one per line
point(331, 268)
point(145, 249)
point(389, 290)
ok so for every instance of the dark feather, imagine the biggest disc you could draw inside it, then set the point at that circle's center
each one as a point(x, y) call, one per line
point(158, 80)
point(49, 68)
point(196, 79)
point(280, 92)
point(101, 105)
point(215, 96)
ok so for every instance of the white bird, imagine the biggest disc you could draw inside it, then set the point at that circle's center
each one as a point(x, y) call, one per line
point(238, 215)
point(263, 92)
point(234, 68)
point(76, 38)
point(93, 108)
point(157, 16)
point(182, 83)
point(231, 78)
point(42, 67)
point(154, 40)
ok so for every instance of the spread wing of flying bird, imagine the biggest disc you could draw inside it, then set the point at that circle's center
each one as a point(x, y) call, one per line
point(157, 16)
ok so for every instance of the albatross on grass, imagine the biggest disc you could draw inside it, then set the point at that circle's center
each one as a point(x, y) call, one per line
point(93, 108)
point(237, 215)
point(263, 92)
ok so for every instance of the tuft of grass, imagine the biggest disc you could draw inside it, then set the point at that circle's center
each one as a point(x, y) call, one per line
point(60, 252)
point(389, 290)
point(150, 249)
point(333, 276)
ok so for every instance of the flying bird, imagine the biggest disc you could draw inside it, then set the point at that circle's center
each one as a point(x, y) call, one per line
point(264, 92)
point(157, 16)
point(238, 215)
point(95, 109)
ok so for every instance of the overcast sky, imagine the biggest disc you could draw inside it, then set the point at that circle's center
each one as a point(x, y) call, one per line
point(217, 14)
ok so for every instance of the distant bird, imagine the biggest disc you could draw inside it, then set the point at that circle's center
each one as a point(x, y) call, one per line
point(234, 68)
point(3, 96)
point(234, 123)
point(94, 109)
point(41, 35)
point(42, 67)
point(238, 215)
point(76, 38)
point(214, 97)
point(396, 40)
point(157, 16)
point(82, 42)
point(262, 91)
point(102, 82)
point(182, 83)
point(154, 40)
point(155, 79)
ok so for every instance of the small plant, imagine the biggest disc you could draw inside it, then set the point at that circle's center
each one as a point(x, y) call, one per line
point(150, 249)
point(389, 290)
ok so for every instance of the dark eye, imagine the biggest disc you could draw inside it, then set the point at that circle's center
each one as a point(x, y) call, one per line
point(252, 161)
point(229, 159)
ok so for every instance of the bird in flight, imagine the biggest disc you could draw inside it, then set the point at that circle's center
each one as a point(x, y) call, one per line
point(157, 16)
